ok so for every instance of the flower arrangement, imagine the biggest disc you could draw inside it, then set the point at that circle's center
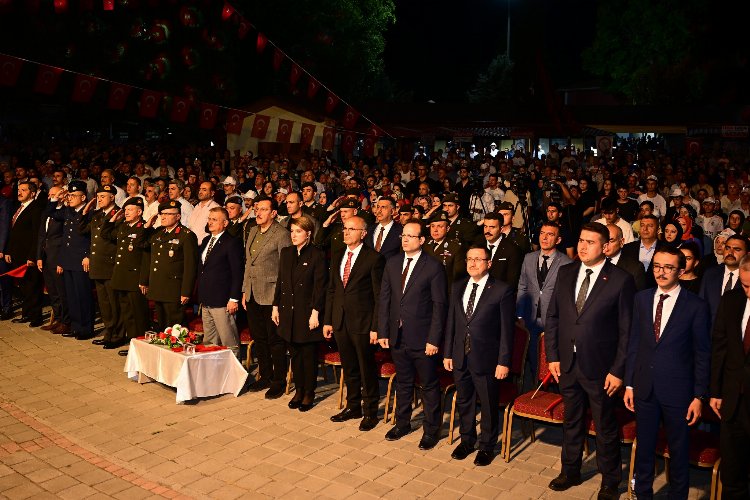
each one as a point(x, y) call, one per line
point(177, 336)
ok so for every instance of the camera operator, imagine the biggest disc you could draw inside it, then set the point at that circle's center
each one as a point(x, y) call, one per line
point(480, 202)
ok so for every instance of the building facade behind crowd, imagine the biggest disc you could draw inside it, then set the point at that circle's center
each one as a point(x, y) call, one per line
point(155, 233)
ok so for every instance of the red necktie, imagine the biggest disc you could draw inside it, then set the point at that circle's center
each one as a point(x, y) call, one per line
point(657, 320)
point(347, 268)
point(380, 239)
point(405, 273)
point(15, 216)
point(746, 339)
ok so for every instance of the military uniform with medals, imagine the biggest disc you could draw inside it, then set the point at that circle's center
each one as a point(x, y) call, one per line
point(449, 253)
point(316, 211)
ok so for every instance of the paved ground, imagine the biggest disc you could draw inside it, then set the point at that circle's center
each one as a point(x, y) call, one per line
point(72, 425)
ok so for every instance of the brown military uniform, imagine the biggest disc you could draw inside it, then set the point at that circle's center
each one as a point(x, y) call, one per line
point(452, 255)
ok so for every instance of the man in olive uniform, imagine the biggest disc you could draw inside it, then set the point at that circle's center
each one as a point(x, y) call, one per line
point(464, 230)
point(101, 262)
point(447, 251)
point(309, 205)
point(236, 226)
point(331, 234)
point(131, 236)
point(173, 266)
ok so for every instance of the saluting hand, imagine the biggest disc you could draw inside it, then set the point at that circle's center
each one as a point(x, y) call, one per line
point(88, 206)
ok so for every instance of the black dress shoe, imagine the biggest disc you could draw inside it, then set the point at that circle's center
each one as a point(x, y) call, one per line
point(563, 482)
point(483, 458)
point(70, 333)
point(368, 424)
point(307, 402)
point(306, 406)
point(122, 352)
point(114, 345)
point(608, 493)
point(85, 336)
point(428, 442)
point(347, 414)
point(462, 451)
point(22, 319)
point(260, 385)
point(275, 392)
point(98, 341)
point(397, 433)
point(6, 315)
point(294, 403)
point(36, 323)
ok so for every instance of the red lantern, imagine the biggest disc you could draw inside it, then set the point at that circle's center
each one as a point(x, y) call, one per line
point(227, 12)
point(61, 6)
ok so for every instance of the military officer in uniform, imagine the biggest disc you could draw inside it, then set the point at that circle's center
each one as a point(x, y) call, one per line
point(464, 230)
point(309, 205)
point(331, 234)
point(237, 220)
point(74, 262)
point(173, 266)
point(101, 262)
point(131, 235)
point(447, 251)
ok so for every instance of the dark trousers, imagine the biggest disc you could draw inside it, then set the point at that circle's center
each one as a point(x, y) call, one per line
point(648, 416)
point(80, 301)
point(469, 386)
point(55, 284)
point(109, 307)
point(168, 314)
point(304, 367)
point(6, 289)
point(734, 446)
point(411, 362)
point(32, 289)
point(268, 346)
point(580, 393)
point(360, 370)
point(134, 312)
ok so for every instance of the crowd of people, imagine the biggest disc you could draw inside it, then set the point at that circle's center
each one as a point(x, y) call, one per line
point(635, 267)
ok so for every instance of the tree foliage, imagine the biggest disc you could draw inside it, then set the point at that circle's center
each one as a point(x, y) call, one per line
point(495, 85)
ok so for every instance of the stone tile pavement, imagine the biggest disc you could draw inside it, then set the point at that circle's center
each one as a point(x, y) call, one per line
point(72, 425)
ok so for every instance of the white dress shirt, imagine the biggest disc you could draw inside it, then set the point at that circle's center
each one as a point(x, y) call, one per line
point(386, 229)
point(594, 275)
point(667, 307)
point(346, 256)
point(469, 286)
point(199, 218)
point(745, 317)
point(615, 258)
point(205, 250)
point(414, 258)
point(735, 276)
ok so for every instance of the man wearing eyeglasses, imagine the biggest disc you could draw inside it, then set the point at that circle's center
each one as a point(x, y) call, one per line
point(667, 371)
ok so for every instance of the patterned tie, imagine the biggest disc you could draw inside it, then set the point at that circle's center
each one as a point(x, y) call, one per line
point(469, 312)
point(657, 319)
point(15, 216)
point(746, 339)
point(379, 243)
point(728, 286)
point(581, 299)
point(405, 273)
point(210, 247)
point(347, 268)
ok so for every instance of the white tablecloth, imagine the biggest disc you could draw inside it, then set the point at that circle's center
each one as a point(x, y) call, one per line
point(194, 376)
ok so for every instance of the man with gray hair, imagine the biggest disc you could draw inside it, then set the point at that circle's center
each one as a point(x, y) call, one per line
point(151, 193)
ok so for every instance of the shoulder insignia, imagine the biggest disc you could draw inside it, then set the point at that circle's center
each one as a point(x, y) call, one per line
point(177, 231)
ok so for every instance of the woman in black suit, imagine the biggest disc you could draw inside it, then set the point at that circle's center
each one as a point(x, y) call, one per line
point(298, 308)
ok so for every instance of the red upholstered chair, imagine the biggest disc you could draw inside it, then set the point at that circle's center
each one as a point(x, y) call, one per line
point(543, 406)
point(196, 325)
point(387, 370)
point(329, 356)
point(245, 339)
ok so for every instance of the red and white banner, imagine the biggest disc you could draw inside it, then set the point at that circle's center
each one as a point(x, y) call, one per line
point(329, 136)
point(150, 100)
point(331, 102)
point(278, 58)
point(350, 117)
point(368, 149)
point(260, 126)
point(180, 109)
point(313, 86)
point(235, 120)
point(209, 114)
point(118, 96)
point(261, 43)
point(294, 74)
point(306, 134)
point(284, 133)
point(84, 88)
point(348, 141)
point(47, 80)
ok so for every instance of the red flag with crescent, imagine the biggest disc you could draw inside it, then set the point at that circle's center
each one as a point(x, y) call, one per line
point(150, 100)
point(331, 102)
point(312, 87)
point(306, 134)
point(260, 126)
point(209, 114)
point(243, 29)
point(262, 42)
point(328, 138)
point(348, 142)
point(118, 96)
point(284, 133)
point(294, 74)
point(278, 58)
point(84, 88)
point(47, 80)
point(10, 70)
point(180, 109)
point(235, 120)
point(350, 117)
point(369, 146)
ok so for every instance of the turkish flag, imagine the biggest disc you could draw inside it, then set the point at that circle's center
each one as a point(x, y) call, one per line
point(294, 74)
point(278, 58)
point(260, 126)
point(235, 120)
point(350, 117)
point(109, 4)
point(180, 109)
point(10, 69)
point(312, 87)
point(118, 96)
point(150, 100)
point(47, 80)
point(307, 134)
point(374, 130)
point(262, 42)
point(329, 136)
point(348, 141)
point(243, 29)
point(84, 88)
point(18, 272)
point(693, 146)
point(369, 146)
point(209, 114)
point(331, 102)
point(285, 130)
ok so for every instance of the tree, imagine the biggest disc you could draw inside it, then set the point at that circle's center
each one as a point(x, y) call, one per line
point(494, 85)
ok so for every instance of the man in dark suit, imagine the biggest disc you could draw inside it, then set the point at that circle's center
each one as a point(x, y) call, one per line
point(506, 256)
point(586, 340)
point(615, 256)
point(667, 371)
point(385, 235)
point(352, 316)
point(49, 243)
point(718, 280)
point(643, 250)
point(478, 349)
point(6, 282)
point(413, 305)
point(730, 384)
point(24, 231)
point(220, 281)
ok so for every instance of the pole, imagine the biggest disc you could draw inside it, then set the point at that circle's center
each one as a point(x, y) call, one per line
point(507, 42)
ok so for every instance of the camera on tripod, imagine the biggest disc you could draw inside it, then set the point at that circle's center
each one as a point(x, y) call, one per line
point(552, 189)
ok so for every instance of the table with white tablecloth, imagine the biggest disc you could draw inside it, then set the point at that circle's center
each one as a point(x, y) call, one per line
point(202, 374)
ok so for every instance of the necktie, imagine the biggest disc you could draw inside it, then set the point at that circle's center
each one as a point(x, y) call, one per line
point(657, 319)
point(746, 339)
point(545, 268)
point(469, 312)
point(379, 242)
point(491, 248)
point(347, 268)
point(15, 216)
point(581, 299)
point(405, 273)
point(210, 247)
point(728, 286)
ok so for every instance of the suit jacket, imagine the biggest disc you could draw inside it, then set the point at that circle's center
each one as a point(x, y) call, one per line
point(631, 251)
point(220, 277)
point(23, 235)
point(50, 238)
point(490, 327)
point(300, 288)
point(262, 269)
point(676, 368)
point(6, 214)
point(507, 261)
point(600, 333)
point(711, 287)
point(635, 268)
point(730, 368)
point(530, 298)
point(355, 306)
point(391, 245)
point(420, 309)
